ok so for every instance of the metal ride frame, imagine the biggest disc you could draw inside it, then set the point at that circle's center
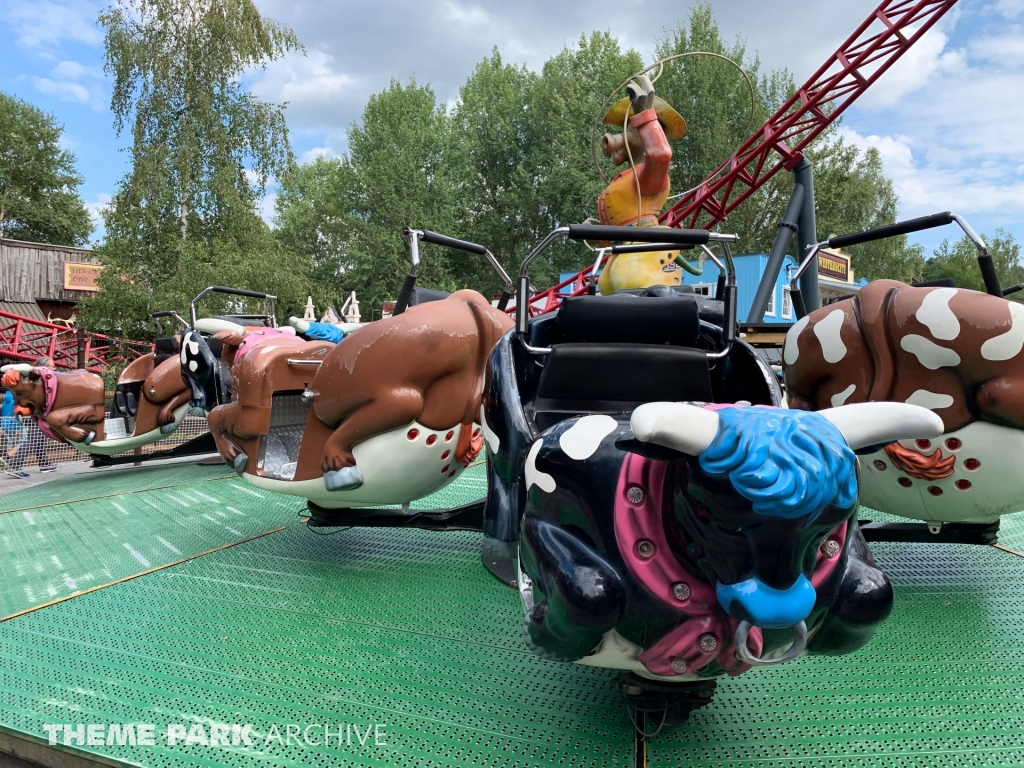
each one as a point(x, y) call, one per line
point(779, 143)
point(25, 339)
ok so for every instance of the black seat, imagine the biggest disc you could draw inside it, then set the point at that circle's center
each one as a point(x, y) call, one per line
point(423, 295)
point(620, 351)
point(164, 348)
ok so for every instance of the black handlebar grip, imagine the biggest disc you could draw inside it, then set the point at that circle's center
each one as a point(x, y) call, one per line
point(639, 234)
point(644, 247)
point(451, 242)
point(161, 313)
point(892, 230)
point(239, 292)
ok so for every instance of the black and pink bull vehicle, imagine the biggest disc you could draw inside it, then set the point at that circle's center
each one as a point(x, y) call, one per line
point(663, 515)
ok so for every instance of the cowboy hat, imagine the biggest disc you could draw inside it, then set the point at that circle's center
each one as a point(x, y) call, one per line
point(671, 121)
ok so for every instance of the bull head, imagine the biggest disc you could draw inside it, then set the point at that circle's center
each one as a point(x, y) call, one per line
point(765, 489)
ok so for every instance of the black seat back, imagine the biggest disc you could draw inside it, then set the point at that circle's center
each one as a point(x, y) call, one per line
point(164, 348)
point(610, 354)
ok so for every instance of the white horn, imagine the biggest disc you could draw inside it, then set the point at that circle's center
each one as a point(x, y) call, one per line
point(684, 428)
point(19, 367)
point(865, 424)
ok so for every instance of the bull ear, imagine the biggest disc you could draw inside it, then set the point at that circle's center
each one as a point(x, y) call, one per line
point(681, 427)
point(866, 424)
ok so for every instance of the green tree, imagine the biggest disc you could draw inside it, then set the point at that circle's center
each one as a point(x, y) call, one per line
point(39, 198)
point(959, 261)
point(202, 152)
point(853, 193)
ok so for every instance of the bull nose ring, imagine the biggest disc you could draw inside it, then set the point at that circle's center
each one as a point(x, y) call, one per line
point(743, 652)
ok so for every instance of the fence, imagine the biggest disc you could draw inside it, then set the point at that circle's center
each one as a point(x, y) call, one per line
point(24, 339)
point(31, 449)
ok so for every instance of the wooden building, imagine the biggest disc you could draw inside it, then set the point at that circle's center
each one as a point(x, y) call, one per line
point(45, 282)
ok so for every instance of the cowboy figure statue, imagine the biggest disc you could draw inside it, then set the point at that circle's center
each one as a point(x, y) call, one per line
point(636, 196)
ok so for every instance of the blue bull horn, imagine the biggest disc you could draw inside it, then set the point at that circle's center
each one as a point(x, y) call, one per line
point(767, 607)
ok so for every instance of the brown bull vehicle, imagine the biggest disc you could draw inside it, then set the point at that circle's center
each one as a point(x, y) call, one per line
point(952, 350)
point(150, 401)
point(385, 416)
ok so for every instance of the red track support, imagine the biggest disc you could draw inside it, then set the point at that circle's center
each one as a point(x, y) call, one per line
point(25, 339)
point(875, 46)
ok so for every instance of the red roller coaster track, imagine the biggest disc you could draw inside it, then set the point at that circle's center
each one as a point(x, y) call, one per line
point(891, 29)
point(25, 339)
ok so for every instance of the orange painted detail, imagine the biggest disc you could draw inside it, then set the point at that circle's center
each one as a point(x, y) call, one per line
point(933, 467)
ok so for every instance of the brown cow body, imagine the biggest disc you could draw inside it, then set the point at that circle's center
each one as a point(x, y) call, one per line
point(955, 351)
point(425, 366)
point(78, 411)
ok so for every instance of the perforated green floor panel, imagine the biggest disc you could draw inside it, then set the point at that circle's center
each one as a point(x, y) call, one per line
point(407, 630)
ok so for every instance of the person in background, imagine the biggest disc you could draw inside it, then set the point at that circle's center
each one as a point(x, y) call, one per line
point(13, 436)
point(36, 444)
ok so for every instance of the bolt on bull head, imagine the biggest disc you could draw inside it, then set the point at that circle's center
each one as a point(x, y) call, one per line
point(697, 540)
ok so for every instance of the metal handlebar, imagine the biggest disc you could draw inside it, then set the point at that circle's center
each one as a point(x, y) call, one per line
point(988, 270)
point(232, 292)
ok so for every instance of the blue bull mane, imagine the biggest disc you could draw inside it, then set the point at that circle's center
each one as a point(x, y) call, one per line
point(788, 463)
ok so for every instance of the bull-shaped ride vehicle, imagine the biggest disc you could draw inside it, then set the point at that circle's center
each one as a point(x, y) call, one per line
point(385, 416)
point(150, 400)
point(673, 541)
point(952, 350)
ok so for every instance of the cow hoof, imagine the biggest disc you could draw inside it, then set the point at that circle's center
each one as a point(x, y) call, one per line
point(195, 410)
point(166, 429)
point(344, 479)
point(239, 463)
point(89, 438)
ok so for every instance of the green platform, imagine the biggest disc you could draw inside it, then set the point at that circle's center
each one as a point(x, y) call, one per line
point(407, 629)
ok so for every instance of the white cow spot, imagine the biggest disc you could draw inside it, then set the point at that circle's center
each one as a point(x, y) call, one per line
point(194, 346)
point(582, 439)
point(827, 331)
point(792, 349)
point(841, 397)
point(193, 366)
point(935, 313)
point(493, 441)
point(1008, 344)
point(928, 353)
point(534, 476)
point(932, 400)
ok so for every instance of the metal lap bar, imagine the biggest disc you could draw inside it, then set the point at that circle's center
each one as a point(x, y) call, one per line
point(296, 361)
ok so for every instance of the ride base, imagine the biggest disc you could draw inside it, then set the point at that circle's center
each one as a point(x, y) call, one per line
point(181, 595)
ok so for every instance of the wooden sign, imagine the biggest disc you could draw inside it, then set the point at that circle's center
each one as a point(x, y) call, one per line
point(81, 277)
point(835, 266)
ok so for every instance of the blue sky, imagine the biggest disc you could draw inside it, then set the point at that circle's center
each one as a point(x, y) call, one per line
point(948, 118)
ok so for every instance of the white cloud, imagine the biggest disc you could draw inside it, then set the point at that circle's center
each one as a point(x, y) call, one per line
point(72, 81)
point(312, 154)
point(46, 23)
point(311, 85)
point(96, 207)
point(927, 187)
point(1010, 8)
point(915, 69)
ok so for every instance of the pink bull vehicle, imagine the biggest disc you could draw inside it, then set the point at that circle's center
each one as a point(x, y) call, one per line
point(658, 511)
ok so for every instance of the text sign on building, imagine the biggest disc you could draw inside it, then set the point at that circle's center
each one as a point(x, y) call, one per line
point(835, 266)
point(81, 277)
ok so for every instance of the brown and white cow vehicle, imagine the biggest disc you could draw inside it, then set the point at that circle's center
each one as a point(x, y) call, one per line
point(953, 350)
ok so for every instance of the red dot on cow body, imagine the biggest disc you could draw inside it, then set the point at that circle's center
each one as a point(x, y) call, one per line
point(445, 455)
point(452, 473)
point(449, 436)
point(924, 444)
point(880, 465)
point(934, 490)
point(445, 468)
point(905, 482)
point(476, 433)
point(962, 485)
point(953, 444)
point(412, 434)
point(431, 439)
point(972, 464)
